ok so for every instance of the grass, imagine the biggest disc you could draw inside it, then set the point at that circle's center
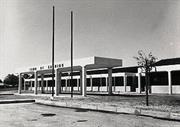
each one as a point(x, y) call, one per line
point(156, 102)
point(161, 102)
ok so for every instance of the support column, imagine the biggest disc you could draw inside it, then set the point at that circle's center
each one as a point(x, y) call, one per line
point(42, 83)
point(24, 85)
point(65, 84)
point(110, 80)
point(139, 82)
point(35, 82)
point(107, 84)
point(125, 82)
point(57, 80)
point(47, 85)
point(91, 83)
point(20, 84)
point(31, 85)
point(60, 83)
point(78, 84)
point(83, 81)
point(169, 82)
point(38, 85)
point(100, 84)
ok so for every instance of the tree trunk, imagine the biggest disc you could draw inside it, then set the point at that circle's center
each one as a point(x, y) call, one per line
point(147, 86)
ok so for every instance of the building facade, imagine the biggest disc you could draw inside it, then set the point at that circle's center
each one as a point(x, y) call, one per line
point(99, 74)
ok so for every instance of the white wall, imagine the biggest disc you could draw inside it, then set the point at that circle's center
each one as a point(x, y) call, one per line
point(165, 89)
point(176, 89)
point(160, 89)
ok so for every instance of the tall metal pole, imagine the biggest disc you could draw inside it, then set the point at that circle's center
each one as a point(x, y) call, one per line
point(53, 54)
point(71, 54)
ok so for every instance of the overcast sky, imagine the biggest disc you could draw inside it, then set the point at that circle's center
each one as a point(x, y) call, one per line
point(109, 28)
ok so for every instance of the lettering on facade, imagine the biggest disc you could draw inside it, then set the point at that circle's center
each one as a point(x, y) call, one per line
point(46, 67)
point(33, 69)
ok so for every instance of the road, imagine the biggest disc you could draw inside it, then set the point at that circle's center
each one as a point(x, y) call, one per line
point(34, 115)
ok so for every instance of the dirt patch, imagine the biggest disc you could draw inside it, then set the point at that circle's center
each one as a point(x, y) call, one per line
point(48, 114)
point(81, 110)
point(82, 121)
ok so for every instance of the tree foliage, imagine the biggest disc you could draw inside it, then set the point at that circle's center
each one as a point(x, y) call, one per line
point(11, 79)
point(0, 81)
point(146, 62)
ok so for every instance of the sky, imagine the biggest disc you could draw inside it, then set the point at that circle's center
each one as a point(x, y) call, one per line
point(107, 28)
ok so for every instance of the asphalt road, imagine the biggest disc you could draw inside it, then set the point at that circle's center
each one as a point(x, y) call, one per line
point(34, 115)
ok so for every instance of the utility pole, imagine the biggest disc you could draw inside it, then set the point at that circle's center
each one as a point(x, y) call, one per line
point(71, 54)
point(53, 54)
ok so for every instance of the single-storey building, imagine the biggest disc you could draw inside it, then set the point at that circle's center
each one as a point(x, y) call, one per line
point(99, 74)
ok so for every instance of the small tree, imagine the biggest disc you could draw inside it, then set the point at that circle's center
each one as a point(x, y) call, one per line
point(11, 79)
point(0, 81)
point(146, 63)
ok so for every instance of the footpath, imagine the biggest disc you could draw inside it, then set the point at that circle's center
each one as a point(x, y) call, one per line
point(95, 103)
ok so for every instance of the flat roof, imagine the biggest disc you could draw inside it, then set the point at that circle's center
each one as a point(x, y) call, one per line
point(89, 62)
point(171, 61)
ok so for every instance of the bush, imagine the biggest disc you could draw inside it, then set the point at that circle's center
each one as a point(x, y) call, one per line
point(11, 79)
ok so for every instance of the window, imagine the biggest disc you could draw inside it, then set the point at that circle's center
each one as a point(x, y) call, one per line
point(158, 78)
point(175, 77)
point(103, 81)
point(119, 81)
point(96, 81)
point(88, 82)
point(63, 83)
point(74, 82)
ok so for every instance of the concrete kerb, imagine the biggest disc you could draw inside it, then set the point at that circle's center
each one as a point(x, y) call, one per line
point(17, 101)
point(113, 109)
point(6, 94)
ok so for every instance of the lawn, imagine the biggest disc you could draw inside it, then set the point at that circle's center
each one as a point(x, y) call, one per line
point(162, 102)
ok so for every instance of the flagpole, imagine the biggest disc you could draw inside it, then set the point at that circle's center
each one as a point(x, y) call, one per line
point(53, 54)
point(71, 54)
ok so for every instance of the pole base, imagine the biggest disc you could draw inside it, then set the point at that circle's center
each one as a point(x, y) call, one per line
point(52, 98)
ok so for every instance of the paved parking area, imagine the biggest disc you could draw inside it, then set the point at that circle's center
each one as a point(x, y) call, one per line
point(34, 115)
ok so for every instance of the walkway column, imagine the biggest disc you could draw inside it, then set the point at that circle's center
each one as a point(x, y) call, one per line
point(42, 83)
point(66, 82)
point(125, 82)
point(169, 82)
point(114, 84)
point(139, 82)
point(110, 80)
point(31, 85)
point(47, 85)
point(57, 80)
point(91, 83)
point(20, 84)
point(60, 82)
point(38, 85)
point(77, 84)
point(35, 82)
point(83, 81)
point(107, 83)
point(24, 84)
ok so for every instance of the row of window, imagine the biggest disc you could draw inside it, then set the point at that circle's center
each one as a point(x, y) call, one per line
point(116, 81)
point(156, 78)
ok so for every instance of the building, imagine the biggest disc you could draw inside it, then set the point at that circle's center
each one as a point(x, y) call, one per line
point(99, 74)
